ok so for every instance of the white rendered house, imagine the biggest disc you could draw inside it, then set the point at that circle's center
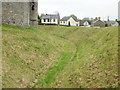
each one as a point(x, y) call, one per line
point(85, 23)
point(69, 21)
point(50, 18)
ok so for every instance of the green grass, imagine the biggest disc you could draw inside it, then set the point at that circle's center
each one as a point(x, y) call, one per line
point(60, 57)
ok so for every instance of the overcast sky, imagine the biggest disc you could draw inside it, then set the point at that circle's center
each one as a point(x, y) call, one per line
point(81, 8)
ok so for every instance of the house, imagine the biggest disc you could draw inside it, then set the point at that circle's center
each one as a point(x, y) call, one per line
point(50, 19)
point(84, 23)
point(98, 23)
point(69, 21)
point(116, 24)
point(20, 13)
point(111, 23)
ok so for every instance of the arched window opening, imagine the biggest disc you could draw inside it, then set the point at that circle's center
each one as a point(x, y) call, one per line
point(33, 6)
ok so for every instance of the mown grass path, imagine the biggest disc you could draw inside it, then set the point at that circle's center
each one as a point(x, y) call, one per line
point(66, 57)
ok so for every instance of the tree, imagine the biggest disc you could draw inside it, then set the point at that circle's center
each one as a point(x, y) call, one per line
point(72, 15)
point(99, 18)
point(86, 18)
point(96, 18)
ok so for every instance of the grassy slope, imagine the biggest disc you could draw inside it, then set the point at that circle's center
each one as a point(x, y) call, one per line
point(57, 56)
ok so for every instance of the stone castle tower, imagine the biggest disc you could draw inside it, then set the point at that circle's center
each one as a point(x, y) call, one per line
point(24, 14)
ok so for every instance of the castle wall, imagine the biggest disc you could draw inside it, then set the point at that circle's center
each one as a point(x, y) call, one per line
point(34, 14)
point(26, 20)
point(13, 13)
point(20, 14)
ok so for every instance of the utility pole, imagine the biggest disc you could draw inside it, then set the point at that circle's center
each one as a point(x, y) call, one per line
point(108, 18)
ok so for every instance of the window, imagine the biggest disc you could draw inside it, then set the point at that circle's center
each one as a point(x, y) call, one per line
point(33, 7)
point(53, 20)
point(48, 20)
point(64, 22)
point(44, 20)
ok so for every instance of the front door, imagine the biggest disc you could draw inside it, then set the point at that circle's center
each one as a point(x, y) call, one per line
point(69, 23)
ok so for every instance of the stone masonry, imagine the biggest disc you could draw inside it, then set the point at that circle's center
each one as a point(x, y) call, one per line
point(24, 14)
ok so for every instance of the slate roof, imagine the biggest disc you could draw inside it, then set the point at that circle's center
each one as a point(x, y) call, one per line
point(65, 18)
point(68, 17)
point(92, 21)
point(75, 19)
point(109, 23)
point(50, 16)
point(83, 21)
point(98, 20)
